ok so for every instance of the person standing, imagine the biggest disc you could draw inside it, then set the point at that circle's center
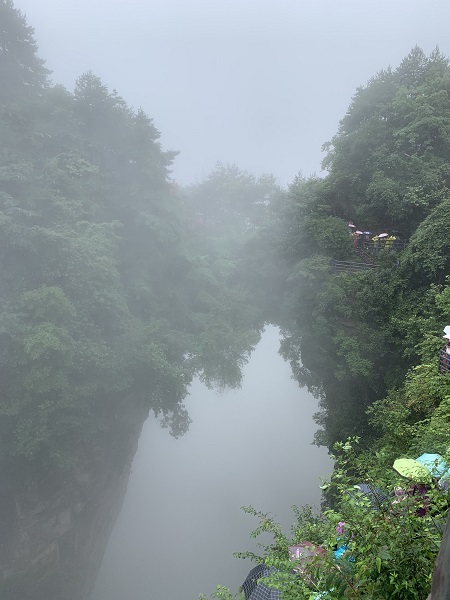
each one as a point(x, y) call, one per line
point(376, 242)
point(390, 242)
point(444, 353)
point(447, 356)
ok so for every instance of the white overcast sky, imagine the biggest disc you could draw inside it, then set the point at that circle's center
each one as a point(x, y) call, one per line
point(262, 83)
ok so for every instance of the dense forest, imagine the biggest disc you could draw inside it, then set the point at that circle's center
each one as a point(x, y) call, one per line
point(362, 316)
point(364, 306)
point(119, 286)
point(113, 284)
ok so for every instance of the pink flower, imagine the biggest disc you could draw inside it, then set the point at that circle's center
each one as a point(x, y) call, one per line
point(340, 528)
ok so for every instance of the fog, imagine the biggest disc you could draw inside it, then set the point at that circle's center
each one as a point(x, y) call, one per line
point(256, 82)
point(181, 520)
point(263, 85)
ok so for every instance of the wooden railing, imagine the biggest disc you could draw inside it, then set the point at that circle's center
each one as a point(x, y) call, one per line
point(368, 251)
point(345, 266)
point(444, 361)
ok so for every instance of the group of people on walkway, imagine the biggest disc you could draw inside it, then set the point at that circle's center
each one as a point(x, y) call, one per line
point(363, 239)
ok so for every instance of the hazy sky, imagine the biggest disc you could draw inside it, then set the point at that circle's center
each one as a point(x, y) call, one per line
point(262, 83)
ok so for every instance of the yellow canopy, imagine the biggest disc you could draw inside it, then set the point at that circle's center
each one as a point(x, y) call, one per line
point(411, 469)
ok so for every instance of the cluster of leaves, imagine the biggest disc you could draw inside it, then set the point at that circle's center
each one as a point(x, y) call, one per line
point(235, 206)
point(389, 541)
point(353, 337)
point(223, 593)
point(366, 343)
point(110, 292)
point(22, 72)
point(388, 162)
point(116, 285)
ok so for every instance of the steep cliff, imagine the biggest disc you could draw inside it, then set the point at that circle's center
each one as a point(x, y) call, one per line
point(54, 526)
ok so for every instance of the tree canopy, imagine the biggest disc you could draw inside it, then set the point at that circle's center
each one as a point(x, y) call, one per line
point(366, 339)
point(118, 286)
point(348, 336)
point(22, 72)
point(110, 292)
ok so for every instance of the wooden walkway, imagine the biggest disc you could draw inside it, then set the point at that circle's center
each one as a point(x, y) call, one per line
point(346, 266)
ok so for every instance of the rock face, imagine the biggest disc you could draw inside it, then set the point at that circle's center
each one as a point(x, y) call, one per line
point(54, 527)
point(440, 584)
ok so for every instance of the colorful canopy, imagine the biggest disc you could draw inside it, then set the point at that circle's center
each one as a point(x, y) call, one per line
point(373, 494)
point(254, 589)
point(435, 463)
point(411, 469)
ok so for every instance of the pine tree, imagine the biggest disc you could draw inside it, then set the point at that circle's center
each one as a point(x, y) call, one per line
point(22, 72)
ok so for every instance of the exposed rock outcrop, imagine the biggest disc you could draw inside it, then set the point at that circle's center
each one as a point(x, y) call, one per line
point(54, 527)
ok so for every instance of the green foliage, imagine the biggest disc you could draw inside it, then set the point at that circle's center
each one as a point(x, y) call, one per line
point(388, 161)
point(415, 417)
point(308, 226)
point(388, 545)
point(118, 287)
point(266, 525)
point(22, 72)
point(223, 593)
point(353, 337)
point(233, 200)
point(366, 343)
point(426, 259)
point(109, 295)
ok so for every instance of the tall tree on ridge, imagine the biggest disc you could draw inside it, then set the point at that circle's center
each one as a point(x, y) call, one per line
point(22, 72)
